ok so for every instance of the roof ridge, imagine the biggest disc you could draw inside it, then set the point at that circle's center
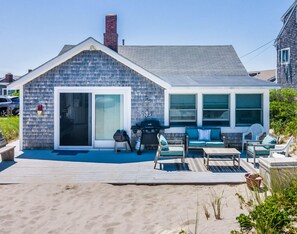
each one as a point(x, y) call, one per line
point(174, 45)
point(288, 11)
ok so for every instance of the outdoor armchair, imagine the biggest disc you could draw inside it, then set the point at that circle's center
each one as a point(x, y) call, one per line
point(257, 148)
point(281, 151)
point(166, 150)
point(255, 130)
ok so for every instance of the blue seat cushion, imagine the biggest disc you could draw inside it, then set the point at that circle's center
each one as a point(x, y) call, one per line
point(196, 143)
point(215, 134)
point(192, 133)
point(215, 144)
point(260, 150)
point(269, 140)
point(173, 151)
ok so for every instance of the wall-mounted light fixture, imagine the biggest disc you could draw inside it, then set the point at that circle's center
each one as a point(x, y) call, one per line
point(39, 109)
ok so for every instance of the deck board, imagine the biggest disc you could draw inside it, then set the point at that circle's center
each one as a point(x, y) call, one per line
point(45, 166)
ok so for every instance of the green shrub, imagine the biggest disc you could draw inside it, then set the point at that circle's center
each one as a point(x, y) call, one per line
point(9, 126)
point(15, 94)
point(283, 111)
point(277, 214)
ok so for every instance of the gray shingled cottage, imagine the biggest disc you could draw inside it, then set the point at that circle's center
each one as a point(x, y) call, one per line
point(286, 47)
point(79, 98)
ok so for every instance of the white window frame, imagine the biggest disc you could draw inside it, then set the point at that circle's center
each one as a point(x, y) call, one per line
point(232, 106)
point(261, 109)
point(228, 94)
point(281, 56)
point(182, 121)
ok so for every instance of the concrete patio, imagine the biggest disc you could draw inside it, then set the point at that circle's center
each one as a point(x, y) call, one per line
point(106, 166)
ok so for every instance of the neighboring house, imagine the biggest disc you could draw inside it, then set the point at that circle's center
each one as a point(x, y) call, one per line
point(90, 90)
point(286, 46)
point(268, 75)
point(5, 81)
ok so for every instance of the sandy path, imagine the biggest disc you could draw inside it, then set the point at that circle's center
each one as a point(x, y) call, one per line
point(103, 208)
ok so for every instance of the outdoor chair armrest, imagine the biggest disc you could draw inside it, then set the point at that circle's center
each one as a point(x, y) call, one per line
point(249, 142)
point(174, 142)
point(257, 145)
point(278, 148)
point(179, 145)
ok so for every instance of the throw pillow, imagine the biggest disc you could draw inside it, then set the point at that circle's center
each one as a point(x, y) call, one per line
point(204, 135)
point(269, 140)
point(163, 143)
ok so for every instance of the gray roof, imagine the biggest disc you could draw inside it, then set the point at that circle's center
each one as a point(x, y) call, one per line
point(187, 66)
point(168, 61)
point(285, 19)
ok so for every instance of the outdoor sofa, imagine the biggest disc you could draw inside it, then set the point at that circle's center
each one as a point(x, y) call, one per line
point(198, 138)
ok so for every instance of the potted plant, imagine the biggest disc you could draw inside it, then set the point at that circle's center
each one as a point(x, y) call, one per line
point(253, 180)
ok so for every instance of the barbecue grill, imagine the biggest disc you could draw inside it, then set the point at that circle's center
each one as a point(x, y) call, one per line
point(149, 129)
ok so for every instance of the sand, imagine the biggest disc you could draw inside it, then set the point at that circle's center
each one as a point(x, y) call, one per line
point(104, 208)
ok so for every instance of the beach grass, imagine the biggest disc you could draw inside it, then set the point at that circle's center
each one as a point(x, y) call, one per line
point(9, 127)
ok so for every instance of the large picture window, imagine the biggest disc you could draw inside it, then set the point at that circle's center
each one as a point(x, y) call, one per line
point(183, 111)
point(248, 109)
point(216, 110)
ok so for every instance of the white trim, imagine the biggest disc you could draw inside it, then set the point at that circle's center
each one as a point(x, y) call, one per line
point(199, 109)
point(292, 8)
point(281, 56)
point(21, 106)
point(266, 110)
point(232, 108)
point(125, 91)
point(166, 108)
point(88, 44)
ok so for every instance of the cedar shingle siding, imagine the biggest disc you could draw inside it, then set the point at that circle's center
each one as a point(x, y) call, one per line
point(89, 68)
point(287, 74)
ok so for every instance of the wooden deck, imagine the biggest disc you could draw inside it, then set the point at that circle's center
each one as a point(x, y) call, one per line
point(44, 166)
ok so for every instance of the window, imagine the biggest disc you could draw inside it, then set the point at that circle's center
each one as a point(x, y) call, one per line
point(248, 109)
point(183, 110)
point(216, 110)
point(285, 56)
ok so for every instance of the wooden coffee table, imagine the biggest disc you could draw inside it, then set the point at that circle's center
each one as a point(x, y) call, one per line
point(222, 154)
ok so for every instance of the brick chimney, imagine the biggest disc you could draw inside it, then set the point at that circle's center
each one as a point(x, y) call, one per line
point(111, 35)
point(8, 78)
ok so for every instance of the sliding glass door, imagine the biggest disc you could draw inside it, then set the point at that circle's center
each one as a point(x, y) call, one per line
point(108, 115)
point(88, 117)
point(75, 119)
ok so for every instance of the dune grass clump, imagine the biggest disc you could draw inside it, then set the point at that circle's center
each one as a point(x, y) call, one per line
point(217, 205)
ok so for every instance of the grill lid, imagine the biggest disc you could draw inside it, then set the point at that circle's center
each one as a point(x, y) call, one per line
point(150, 123)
